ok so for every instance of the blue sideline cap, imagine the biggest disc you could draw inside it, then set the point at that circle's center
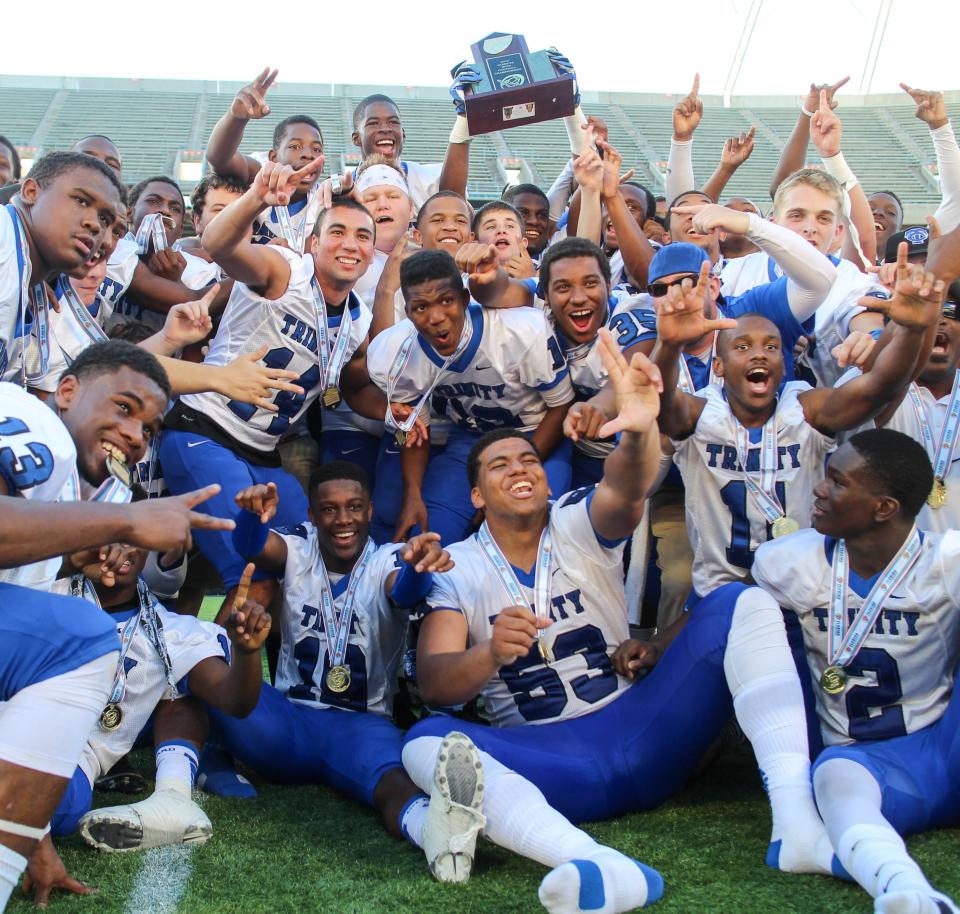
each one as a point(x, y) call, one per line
point(678, 257)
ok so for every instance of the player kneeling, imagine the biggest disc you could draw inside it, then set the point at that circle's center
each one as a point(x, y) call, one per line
point(343, 631)
point(162, 656)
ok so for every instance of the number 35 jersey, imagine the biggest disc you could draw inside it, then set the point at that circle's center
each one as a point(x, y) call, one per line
point(724, 523)
point(587, 608)
point(288, 325)
point(377, 631)
point(902, 677)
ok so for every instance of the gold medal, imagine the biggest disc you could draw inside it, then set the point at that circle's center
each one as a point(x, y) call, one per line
point(833, 680)
point(338, 679)
point(111, 717)
point(118, 470)
point(331, 397)
point(546, 655)
point(400, 437)
point(938, 494)
point(783, 526)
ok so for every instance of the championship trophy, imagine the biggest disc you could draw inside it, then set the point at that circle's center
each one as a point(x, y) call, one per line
point(515, 87)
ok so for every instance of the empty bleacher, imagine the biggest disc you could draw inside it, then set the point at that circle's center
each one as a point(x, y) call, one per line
point(154, 121)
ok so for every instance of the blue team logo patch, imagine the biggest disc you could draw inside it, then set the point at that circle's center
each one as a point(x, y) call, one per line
point(918, 235)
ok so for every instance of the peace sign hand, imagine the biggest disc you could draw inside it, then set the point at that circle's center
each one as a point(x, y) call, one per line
point(250, 103)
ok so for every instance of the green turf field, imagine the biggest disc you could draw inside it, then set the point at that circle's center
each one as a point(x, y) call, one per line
point(307, 850)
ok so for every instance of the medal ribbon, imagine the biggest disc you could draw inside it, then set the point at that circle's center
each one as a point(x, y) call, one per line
point(941, 454)
point(331, 361)
point(34, 298)
point(851, 640)
point(685, 381)
point(764, 493)
point(80, 313)
point(151, 229)
point(400, 362)
point(338, 630)
point(293, 236)
point(541, 586)
point(111, 490)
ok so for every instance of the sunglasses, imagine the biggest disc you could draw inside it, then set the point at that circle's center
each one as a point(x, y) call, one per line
point(659, 289)
point(950, 310)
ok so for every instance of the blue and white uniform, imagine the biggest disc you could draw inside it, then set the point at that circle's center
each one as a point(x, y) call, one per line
point(899, 715)
point(832, 318)
point(723, 521)
point(510, 373)
point(212, 439)
point(596, 744)
point(301, 731)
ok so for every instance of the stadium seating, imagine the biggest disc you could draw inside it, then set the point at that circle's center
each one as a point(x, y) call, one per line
point(153, 124)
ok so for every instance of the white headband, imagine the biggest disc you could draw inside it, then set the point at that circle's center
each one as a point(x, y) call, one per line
point(378, 175)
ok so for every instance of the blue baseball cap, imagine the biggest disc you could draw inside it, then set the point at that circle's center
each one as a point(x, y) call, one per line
point(678, 257)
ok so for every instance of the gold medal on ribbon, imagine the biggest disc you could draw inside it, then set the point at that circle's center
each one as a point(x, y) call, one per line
point(833, 680)
point(118, 470)
point(938, 494)
point(783, 526)
point(546, 655)
point(338, 679)
point(400, 437)
point(111, 717)
point(331, 397)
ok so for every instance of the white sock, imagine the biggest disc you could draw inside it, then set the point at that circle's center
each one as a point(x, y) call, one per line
point(413, 817)
point(12, 866)
point(768, 701)
point(176, 766)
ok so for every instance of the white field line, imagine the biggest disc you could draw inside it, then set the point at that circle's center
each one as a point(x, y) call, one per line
point(161, 880)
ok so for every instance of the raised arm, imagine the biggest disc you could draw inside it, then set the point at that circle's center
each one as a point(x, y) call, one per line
point(686, 118)
point(736, 151)
point(490, 284)
point(795, 150)
point(456, 163)
point(227, 238)
point(809, 273)
point(635, 247)
point(223, 147)
point(588, 170)
point(914, 307)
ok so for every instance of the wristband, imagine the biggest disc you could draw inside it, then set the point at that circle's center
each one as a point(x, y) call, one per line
point(575, 132)
point(410, 586)
point(460, 132)
point(249, 536)
point(803, 109)
point(838, 168)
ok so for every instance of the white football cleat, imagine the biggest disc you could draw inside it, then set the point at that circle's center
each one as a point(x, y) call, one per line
point(165, 817)
point(454, 819)
point(913, 902)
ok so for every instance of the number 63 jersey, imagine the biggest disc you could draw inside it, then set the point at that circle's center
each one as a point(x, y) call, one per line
point(724, 524)
point(902, 677)
point(288, 326)
point(587, 608)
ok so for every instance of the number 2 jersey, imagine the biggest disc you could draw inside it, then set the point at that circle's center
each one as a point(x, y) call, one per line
point(724, 523)
point(37, 458)
point(377, 631)
point(587, 607)
point(902, 677)
point(288, 325)
point(510, 373)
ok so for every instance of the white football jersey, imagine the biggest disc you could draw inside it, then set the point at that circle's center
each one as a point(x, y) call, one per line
point(188, 641)
point(120, 269)
point(198, 273)
point(588, 609)
point(902, 677)
point(377, 631)
point(724, 524)
point(366, 287)
point(15, 272)
point(288, 326)
point(833, 316)
point(37, 458)
point(938, 520)
point(510, 373)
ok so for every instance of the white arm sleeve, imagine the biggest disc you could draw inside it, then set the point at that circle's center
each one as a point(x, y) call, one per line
point(561, 191)
point(948, 162)
point(810, 274)
point(680, 177)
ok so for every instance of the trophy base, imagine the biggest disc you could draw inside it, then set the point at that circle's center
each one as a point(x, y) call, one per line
point(529, 104)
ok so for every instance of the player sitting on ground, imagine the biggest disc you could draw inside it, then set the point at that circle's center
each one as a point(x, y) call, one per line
point(163, 655)
point(481, 369)
point(344, 625)
point(878, 604)
point(751, 452)
point(529, 618)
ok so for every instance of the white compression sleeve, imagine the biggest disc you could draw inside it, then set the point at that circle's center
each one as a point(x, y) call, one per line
point(948, 163)
point(680, 177)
